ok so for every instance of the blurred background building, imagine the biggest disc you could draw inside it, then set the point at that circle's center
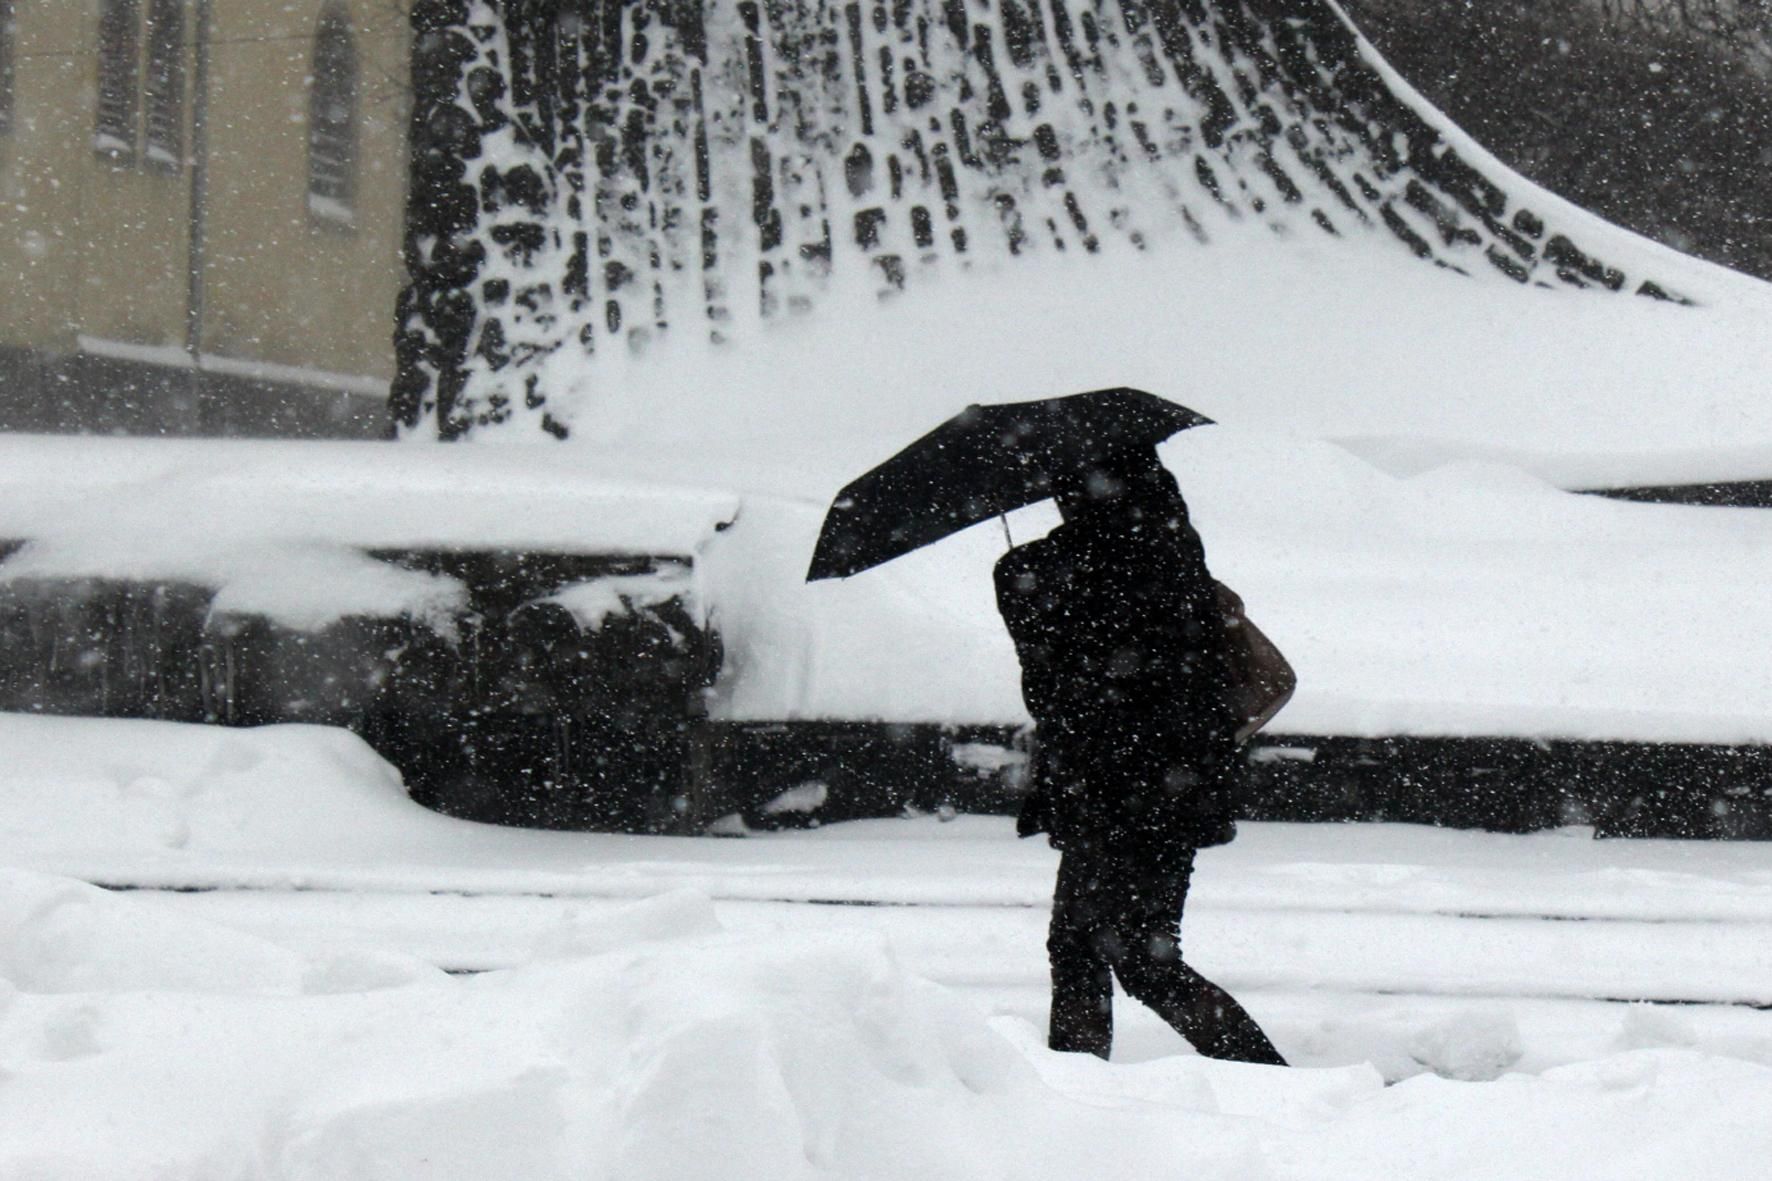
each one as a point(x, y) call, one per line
point(202, 201)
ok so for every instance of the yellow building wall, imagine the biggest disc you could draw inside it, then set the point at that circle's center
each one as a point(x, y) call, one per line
point(92, 248)
point(52, 247)
point(131, 222)
point(282, 284)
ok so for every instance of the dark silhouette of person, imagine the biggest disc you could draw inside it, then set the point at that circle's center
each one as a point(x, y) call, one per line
point(1117, 624)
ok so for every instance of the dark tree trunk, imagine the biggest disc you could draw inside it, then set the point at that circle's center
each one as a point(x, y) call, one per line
point(711, 165)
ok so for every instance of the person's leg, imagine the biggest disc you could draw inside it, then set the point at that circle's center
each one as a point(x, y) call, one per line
point(1205, 1014)
point(1150, 966)
point(1082, 1018)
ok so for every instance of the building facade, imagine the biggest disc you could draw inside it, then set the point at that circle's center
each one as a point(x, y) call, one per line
point(203, 202)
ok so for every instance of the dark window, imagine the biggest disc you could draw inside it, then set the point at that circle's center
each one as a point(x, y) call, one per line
point(119, 26)
point(6, 36)
point(165, 89)
point(332, 118)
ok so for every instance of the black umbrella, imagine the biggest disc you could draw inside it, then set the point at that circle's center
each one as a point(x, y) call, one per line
point(986, 460)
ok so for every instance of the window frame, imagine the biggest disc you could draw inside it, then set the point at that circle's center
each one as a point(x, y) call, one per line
point(117, 106)
point(164, 87)
point(8, 40)
point(334, 119)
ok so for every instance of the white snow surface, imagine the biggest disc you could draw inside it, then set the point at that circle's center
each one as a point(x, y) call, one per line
point(1429, 576)
point(280, 529)
point(1386, 490)
point(1469, 599)
point(1386, 494)
point(646, 1021)
point(141, 506)
point(591, 604)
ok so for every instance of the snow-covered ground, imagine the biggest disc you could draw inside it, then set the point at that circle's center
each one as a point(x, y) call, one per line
point(694, 1008)
point(302, 976)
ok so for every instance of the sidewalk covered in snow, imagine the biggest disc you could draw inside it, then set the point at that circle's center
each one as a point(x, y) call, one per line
point(835, 1002)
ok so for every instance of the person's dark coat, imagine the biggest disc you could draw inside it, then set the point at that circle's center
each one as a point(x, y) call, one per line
point(1116, 620)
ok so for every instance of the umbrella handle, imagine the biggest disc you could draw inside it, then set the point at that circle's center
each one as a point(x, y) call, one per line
point(1004, 517)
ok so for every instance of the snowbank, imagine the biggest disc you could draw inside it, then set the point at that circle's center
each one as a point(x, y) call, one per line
point(1467, 599)
point(188, 790)
point(135, 803)
point(1474, 599)
point(162, 507)
point(1429, 578)
point(661, 1020)
point(1443, 597)
point(284, 530)
point(680, 1051)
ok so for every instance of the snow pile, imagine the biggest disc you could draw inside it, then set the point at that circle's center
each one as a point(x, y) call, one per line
point(184, 791)
point(287, 530)
point(1468, 599)
point(712, 1025)
point(1459, 597)
point(1474, 599)
point(915, 640)
point(61, 936)
point(591, 604)
point(162, 507)
point(1308, 336)
point(1444, 591)
point(1477, 1046)
point(682, 1052)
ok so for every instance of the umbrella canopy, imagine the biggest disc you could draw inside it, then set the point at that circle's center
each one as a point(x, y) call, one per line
point(986, 460)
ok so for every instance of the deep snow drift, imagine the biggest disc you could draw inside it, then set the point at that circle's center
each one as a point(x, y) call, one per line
point(682, 1033)
point(691, 1053)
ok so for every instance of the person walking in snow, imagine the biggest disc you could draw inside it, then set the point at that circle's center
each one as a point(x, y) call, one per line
point(1121, 638)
